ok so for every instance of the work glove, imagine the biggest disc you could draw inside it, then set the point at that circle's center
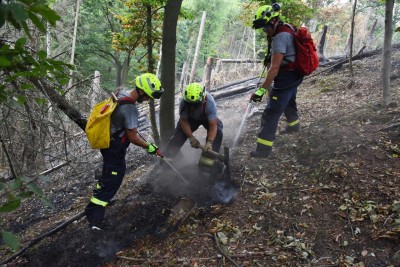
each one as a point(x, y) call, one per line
point(258, 95)
point(152, 149)
point(208, 146)
point(194, 142)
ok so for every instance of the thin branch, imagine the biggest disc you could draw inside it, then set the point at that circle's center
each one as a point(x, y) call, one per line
point(51, 232)
point(390, 127)
point(338, 64)
point(223, 252)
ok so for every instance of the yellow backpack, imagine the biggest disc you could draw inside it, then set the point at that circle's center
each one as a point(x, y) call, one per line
point(98, 125)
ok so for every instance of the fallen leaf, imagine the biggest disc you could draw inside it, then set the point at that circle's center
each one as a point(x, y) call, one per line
point(364, 253)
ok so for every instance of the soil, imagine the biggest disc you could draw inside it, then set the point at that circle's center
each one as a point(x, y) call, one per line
point(328, 195)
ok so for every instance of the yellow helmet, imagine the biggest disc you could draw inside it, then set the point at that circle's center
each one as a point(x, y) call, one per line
point(265, 14)
point(193, 93)
point(150, 84)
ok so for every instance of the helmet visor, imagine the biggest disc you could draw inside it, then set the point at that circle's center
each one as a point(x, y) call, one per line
point(157, 93)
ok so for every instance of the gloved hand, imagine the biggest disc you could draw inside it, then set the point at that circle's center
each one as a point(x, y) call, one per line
point(258, 95)
point(194, 142)
point(152, 149)
point(208, 146)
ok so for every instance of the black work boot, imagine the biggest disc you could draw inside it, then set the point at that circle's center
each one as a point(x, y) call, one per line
point(261, 151)
point(291, 129)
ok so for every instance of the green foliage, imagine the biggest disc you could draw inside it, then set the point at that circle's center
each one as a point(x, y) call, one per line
point(16, 191)
point(22, 67)
point(10, 240)
point(17, 13)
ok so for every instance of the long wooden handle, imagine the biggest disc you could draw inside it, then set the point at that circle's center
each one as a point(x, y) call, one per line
point(213, 153)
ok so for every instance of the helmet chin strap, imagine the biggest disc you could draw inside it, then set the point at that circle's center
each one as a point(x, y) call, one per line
point(140, 96)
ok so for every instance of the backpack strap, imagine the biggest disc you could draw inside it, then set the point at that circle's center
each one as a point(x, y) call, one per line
point(286, 27)
point(123, 101)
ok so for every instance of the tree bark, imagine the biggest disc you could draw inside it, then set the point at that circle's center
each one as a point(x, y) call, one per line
point(59, 101)
point(387, 52)
point(196, 52)
point(370, 36)
point(167, 103)
point(150, 60)
point(95, 88)
point(351, 41)
point(183, 75)
point(321, 45)
point(207, 73)
point(78, 4)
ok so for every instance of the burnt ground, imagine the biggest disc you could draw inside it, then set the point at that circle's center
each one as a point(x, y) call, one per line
point(328, 196)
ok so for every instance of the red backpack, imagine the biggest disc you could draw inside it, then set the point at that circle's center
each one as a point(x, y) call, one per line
point(306, 54)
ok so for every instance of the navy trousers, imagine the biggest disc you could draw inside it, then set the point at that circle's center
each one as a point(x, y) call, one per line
point(179, 137)
point(114, 167)
point(282, 100)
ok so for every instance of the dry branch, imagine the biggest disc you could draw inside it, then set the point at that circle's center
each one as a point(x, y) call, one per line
point(51, 232)
point(390, 127)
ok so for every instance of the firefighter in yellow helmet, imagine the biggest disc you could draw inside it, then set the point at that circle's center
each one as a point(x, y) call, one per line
point(197, 108)
point(124, 124)
point(281, 80)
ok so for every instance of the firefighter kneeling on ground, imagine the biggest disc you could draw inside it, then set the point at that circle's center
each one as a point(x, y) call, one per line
point(124, 124)
point(197, 107)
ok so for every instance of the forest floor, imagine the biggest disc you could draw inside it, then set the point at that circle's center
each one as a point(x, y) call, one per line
point(328, 196)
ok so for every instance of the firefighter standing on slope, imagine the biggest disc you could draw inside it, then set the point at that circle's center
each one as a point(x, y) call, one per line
point(124, 124)
point(282, 94)
point(196, 107)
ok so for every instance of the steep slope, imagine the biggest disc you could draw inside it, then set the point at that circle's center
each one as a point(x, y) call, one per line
point(328, 196)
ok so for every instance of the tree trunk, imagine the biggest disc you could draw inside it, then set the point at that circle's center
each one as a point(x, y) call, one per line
point(387, 52)
point(59, 101)
point(167, 103)
point(370, 36)
point(118, 70)
point(198, 44)
point(159, 63)
point(125, 69)
point(78, 3)
point(183, 76)
point(321, 45)
point(352, 42)
point(207, 73)
point(150, 59)
point(96, 88)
